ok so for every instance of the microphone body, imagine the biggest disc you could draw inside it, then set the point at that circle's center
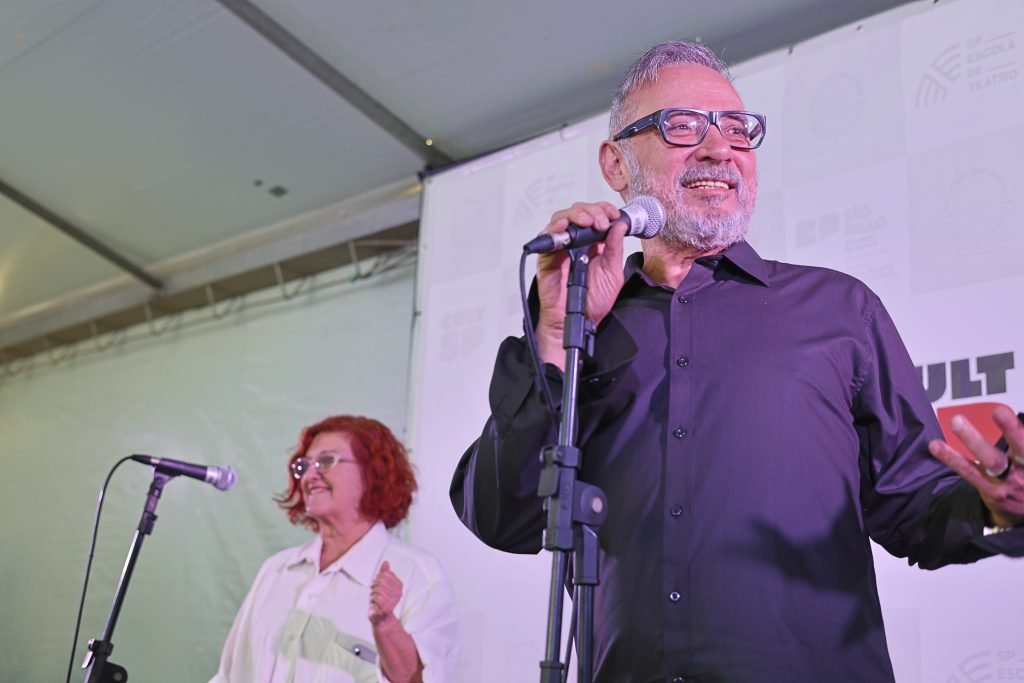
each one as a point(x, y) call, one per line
point(222, 478)
point(644, 218)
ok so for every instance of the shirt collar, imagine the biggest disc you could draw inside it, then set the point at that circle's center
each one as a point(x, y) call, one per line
point(361, 561)
point(741, 256)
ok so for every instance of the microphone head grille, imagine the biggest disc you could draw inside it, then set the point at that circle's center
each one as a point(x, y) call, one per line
point(226, 479)
point(653, 213)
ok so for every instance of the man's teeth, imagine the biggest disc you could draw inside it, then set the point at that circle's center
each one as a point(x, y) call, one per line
point(707, 183)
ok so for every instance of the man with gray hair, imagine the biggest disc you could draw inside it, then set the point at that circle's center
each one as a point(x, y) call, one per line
point(752, 423)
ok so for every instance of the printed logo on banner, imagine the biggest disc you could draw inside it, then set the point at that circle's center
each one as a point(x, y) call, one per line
point(540, 198)
point(974, 669)
point(812, 231)
point(988, 665)
point(944, 70)
point(462, 246)
point(865, 245)
point(858, 224)
point(836, 107)
point(982, 61)
point(955, 380)
point(977, 205)
point(462, 333)
point(1009, 665)
point(963, 204)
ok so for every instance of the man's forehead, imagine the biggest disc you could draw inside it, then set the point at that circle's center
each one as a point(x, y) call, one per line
point(686, 85)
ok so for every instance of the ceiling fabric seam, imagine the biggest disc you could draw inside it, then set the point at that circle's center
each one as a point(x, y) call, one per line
point(322, 70)
point(81, 236)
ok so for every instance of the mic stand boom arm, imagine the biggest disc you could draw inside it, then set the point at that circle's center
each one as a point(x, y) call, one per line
point(99, 669)
point(575, 509)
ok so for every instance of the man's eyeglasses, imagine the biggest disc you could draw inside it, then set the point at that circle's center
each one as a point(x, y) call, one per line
point(687, 127)
point(323, 463)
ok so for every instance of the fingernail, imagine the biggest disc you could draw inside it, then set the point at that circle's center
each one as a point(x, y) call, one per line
point(957, 422)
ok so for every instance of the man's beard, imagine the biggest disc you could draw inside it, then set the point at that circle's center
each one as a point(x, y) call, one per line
point(713, 228)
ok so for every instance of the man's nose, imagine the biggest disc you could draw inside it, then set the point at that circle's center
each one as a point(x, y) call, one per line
point(714, 146)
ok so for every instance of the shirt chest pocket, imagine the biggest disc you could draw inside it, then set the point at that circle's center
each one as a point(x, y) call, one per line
point(355, 656)
point(317, 641)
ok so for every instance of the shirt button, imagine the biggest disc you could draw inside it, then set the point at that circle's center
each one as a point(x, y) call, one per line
point(682, 361)
point(678, 679)
point(675, 511)
point(679, 433)
point(683, 300)
point(674, 596)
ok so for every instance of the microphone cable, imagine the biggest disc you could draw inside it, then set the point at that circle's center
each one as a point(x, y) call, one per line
point(540, 380)
point(88, 564)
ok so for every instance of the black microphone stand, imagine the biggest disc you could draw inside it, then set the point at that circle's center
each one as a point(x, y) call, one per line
point(575, 509)
point(99, 669)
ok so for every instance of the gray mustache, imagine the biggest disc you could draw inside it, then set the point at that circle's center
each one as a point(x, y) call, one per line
point(723, 174)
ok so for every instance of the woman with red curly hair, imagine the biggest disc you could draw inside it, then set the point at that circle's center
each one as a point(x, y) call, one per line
point(355, 604)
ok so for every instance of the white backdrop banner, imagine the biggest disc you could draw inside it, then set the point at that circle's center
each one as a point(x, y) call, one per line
point(892, 154)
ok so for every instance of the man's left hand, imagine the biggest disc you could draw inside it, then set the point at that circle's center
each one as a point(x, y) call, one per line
point(998, 476)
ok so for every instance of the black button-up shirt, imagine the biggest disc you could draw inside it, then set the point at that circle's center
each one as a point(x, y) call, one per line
point(751, 430)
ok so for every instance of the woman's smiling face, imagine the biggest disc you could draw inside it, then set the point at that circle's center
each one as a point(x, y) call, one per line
point(333, 489)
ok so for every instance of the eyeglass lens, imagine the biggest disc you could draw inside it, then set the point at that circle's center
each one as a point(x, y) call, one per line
point(322, 462)
point(686, 127)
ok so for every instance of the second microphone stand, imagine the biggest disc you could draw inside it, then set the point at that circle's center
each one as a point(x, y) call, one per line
point(575, 509)
point(99, 669)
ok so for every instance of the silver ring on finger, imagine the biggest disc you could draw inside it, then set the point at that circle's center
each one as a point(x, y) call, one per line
point(1002, 474)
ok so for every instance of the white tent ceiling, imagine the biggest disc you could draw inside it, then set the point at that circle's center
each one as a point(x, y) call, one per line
point(158, 128)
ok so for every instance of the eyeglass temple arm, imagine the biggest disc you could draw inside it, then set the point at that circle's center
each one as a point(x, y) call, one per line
point(637, 126)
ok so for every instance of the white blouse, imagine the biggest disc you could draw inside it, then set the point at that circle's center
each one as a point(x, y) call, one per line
point(299, 625)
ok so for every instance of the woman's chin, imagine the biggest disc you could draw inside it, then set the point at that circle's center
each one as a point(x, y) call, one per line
point(318, 507)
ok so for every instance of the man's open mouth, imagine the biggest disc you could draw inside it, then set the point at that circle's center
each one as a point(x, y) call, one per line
point(714, 184)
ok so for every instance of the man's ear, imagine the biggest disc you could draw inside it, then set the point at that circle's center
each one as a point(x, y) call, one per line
point(613, 166)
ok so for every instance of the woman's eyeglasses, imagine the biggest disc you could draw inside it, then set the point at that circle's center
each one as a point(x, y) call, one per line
point(322, 462)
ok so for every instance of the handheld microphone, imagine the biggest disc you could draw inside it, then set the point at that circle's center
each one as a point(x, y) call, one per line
point(644, 216)
point(222, 478)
